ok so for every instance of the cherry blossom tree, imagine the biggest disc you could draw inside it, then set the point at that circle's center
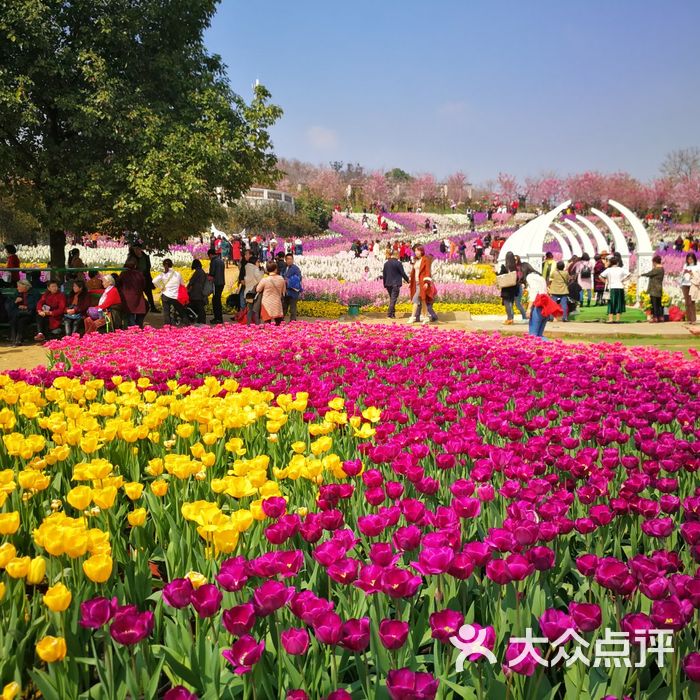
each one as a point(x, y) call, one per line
point(423, 188)
point(456, 186)
point(507, 187)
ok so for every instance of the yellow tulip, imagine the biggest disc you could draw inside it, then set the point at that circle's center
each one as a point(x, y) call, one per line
point(79, 497)
point(133, 490)
point(51, 649)
point(196, 579)
point(372, 414)
point(137, 517)
point(37, 570)
point(336, 403)
point(159, 487)
point(3, 588)
point(9, 523)
point(10, 691)
point(57, 598)
point(18, 567)
point(184, 430)
point(104, 498)
point(323, 444)
point(74, 544)
point(98, 568)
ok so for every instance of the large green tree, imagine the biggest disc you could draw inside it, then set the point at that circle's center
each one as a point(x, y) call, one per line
point(120, 119)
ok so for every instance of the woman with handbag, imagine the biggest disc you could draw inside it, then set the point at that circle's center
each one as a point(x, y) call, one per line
point(170, 281)
point(507, 280)
point(422, 287)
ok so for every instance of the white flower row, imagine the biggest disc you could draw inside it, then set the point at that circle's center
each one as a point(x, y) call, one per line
point(99, 257)
point(347, 267)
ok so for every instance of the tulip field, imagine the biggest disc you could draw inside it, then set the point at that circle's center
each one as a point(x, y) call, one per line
point(332, 511)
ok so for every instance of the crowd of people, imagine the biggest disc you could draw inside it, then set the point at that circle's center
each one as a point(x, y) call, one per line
point(266, 289)
point(568, 285)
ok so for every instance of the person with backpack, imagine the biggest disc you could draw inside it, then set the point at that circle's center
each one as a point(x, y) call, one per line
point(583, 271)
point(217, 276)
point(292, 277)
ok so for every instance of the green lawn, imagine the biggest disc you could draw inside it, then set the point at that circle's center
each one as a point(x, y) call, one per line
point(590, 314)
point(681, 344)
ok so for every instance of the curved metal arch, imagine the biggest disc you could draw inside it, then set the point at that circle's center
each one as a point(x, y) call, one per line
point(644, 249)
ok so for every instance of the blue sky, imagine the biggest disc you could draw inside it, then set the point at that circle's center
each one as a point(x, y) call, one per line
point(524, 87)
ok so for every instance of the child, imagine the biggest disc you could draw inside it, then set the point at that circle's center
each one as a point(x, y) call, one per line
point(655, 289)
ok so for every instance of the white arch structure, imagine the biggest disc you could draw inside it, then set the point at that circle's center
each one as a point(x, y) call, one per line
point(565, 250)
point(585, 240)
point(571, 239)
point(597, 236)
point(528, 241)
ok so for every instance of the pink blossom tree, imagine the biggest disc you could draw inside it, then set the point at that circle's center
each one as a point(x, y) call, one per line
point(456, 186)
point(507, 187)
point(376, 188)
point(423, 188)
point(328, 184)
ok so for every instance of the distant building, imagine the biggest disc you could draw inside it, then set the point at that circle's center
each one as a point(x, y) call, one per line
point(260, 196)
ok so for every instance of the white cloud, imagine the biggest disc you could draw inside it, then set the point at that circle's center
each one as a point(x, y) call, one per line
point(322, 138)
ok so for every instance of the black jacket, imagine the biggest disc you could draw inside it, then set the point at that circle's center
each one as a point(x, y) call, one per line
point(195, 286)
point(217, 270)
point(393, 273)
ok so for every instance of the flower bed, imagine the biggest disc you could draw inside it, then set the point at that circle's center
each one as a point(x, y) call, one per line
point(325, 528)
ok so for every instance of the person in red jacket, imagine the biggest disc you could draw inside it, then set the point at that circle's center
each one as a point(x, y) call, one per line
point(49, 311)
point(12, 261)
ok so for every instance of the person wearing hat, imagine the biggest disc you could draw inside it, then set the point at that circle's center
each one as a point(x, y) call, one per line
point(598, 281)
point(21, 310)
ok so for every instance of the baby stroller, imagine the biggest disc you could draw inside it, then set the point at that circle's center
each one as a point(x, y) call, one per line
point(177, 318)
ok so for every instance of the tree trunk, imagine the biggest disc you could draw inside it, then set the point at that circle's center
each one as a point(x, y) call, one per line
point(57, 246)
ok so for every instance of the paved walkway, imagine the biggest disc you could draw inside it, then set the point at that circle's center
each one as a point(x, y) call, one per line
point(494, 324)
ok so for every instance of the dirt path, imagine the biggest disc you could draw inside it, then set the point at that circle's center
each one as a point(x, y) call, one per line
point(24, 357)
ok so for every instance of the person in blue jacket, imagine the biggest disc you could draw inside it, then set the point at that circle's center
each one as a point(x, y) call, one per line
point(292, 276)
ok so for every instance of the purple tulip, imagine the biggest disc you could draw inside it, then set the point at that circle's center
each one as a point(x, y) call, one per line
point(434, 560)
point(296, 695)
point(691, 666)
point(524, 667)
point(271, 596)
point(243, 654)
point(97, 612)
point(239, 620)
point(586, 616)
point(206, 600)
point(274, 507)
point(328, 628)
point(129, 626)
point(232, 576)
point(399, 583)
point(404, 684)
point(295, 640)
point(555, 623)
point(393, 633)
point(445, 624)
point(179, 692)
point(178, 593)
